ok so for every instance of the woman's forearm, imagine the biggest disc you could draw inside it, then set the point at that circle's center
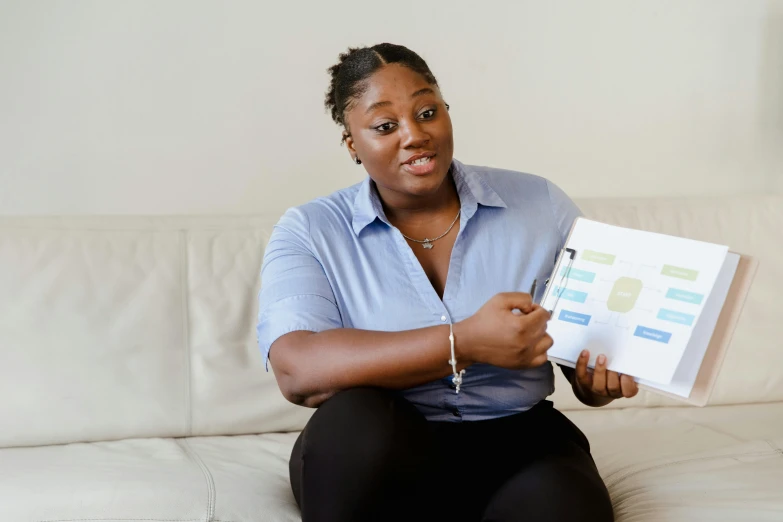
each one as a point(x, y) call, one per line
point(311, 367)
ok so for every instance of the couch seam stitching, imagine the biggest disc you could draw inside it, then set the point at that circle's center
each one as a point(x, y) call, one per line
point(190, 452)
point(185, 278)
point(130, 520)
point(774, 447)
point(719, 432)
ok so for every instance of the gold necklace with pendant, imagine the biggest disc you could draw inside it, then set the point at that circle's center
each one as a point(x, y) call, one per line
point(426, 242)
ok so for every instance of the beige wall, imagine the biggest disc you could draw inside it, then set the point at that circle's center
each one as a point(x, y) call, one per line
point(216, 107)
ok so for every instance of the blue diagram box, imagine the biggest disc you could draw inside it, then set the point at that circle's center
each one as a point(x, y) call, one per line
point(684, 296)
point(676, 317)
point(578, 275)
point(573, 317)
point(653, 335)
point(571, 295)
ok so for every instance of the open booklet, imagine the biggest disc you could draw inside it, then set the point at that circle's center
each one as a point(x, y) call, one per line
point(661, 308)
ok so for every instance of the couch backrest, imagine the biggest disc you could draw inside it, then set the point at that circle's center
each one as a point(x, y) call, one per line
point(144, 327)
point(113, 328)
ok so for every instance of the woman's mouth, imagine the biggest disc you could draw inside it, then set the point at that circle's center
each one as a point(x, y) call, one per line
point(421, 166)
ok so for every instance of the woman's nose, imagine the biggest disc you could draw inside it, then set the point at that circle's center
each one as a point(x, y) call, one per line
point(414, 136)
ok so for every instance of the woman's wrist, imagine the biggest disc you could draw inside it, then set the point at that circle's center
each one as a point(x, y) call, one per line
point(464, 343)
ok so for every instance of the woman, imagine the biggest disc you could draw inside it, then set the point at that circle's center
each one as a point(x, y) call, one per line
point(362, 292)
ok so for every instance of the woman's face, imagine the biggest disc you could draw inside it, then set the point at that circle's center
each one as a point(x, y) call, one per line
point(398, 118)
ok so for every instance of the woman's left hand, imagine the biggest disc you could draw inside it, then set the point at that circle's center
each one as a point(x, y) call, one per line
point(601, 386)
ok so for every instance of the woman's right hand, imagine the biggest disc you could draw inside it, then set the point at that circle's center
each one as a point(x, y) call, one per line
point(499, 336)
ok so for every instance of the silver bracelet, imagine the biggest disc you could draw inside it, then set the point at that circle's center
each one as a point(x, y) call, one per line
point(457, 378)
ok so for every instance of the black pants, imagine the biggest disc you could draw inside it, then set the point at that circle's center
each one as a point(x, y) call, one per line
point(368, 455)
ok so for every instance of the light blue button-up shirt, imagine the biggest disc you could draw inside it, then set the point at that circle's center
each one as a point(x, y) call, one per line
point(337, 262)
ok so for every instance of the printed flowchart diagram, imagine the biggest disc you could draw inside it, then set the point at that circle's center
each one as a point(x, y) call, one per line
point(657, 294)
point(633, 296)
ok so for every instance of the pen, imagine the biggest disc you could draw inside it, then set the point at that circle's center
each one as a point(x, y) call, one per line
point(533, 290)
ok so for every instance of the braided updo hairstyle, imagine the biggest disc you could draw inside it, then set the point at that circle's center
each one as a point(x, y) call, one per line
point(356, 65)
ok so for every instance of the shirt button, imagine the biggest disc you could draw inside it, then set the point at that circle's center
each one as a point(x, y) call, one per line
point(456, 413)
point(443, 318)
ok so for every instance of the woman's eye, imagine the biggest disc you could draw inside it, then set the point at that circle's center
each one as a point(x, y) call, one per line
point(428, 114)
point(385, 127)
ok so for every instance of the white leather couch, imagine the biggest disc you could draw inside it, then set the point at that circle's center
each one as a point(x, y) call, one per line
point(131, 388)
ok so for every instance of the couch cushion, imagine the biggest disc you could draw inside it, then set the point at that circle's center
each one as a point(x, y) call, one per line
point(678, 464)
point(92, 330)
point(250, 475)
point(722, 463)
point(114, 328)
point(231, 391)
point(131, 479)
point(220, 479)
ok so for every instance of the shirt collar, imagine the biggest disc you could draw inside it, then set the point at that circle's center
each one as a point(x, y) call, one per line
point(472, 188)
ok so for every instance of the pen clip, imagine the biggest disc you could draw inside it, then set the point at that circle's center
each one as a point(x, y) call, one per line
point(571, 256)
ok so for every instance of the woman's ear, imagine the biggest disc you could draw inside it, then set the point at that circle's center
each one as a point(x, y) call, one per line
point(348, 140)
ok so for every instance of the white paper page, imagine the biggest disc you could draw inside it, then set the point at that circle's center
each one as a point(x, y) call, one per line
point(634, 296)
point(685, 376)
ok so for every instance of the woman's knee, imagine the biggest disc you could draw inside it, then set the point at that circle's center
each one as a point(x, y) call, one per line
point(365, 425)
point(538, 492)
point(359, 455)
point(375, 404)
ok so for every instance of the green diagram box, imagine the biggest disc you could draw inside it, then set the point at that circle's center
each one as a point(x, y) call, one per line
point(598, 257)
point(681, 273)
point(624, 294)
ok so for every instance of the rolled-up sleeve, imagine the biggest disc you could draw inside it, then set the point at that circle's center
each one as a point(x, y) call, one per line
point(295, 293)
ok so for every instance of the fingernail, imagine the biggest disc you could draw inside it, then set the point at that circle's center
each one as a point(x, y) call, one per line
point(601, 359)
point(583, 354)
